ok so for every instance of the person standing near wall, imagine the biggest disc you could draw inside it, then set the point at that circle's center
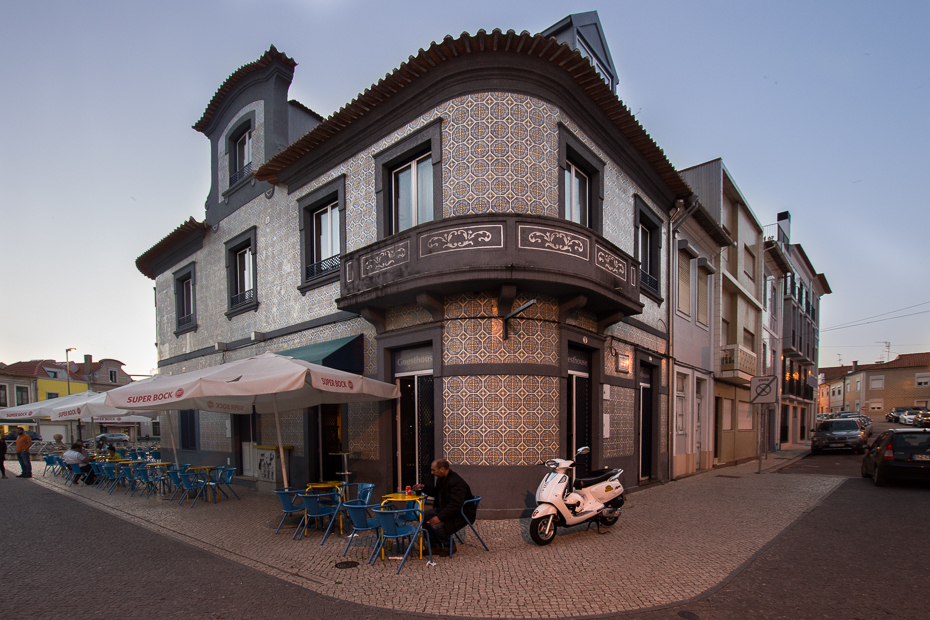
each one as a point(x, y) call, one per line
point(23, 443)
point(2, 458)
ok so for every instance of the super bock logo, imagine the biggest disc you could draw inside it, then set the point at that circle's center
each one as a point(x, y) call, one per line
point(209, 404)
point(350, 385)
point(79, 410)
point(179, 393)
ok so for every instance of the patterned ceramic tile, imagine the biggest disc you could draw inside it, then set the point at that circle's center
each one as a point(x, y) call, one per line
point(292, 430)
point(363, 430)
point(399, 317)
point(621, 409)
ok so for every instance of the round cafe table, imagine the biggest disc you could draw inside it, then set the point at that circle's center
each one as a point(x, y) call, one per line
point(392, 498)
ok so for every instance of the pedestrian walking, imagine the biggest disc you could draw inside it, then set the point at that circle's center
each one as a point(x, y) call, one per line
point(2, 458)
point(23, 443)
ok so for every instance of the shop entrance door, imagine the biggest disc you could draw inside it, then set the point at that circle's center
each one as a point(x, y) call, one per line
point(645, 422)
point(414, 435)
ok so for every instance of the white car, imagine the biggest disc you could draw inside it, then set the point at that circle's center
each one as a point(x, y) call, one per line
point(907, 417)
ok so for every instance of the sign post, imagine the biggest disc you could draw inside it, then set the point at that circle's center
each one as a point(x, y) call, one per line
point(763, 390)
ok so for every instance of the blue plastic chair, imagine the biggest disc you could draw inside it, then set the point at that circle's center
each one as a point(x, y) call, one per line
point(363, 491)
point(109, 471)
point(49, 463)
point(357, 511)
point(99, 476)
point(286, 496)
point(75, 474)
point(142, 480)
point(474, 500)
point(175, 477)
point(391, 530)
point(225, 477)
point(189, 482)
point(317, 506)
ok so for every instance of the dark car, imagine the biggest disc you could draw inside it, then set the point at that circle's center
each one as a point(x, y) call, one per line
point(840, 434)
point(898, 454)
point(894, 412)
point(922, 419)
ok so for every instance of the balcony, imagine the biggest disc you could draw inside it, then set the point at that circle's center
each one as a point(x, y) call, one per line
point(795, 388)
point(324, 266)
point(240, 174)
point(541, 255)
point(737, 363)
point(184, 321)
point(240, 299)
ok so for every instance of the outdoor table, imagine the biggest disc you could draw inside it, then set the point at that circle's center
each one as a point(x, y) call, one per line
point(165, 480)
point(331, 484)
point(390, 498)
point(207, 477)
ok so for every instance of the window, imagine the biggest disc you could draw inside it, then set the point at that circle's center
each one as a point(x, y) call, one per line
point(156, 429)
point(744, 418)
point(649, 247)
point(408, 187)
point(185, 306)
point(922, 379)
point(3, 396)
point(765, 357)
point(241, 273)
point(875, 383)
point(113, 376)
point(22, 395)
point(187, 429)
point(858, 385)
point(749, 340)
point(876, 405)
point(684, 282)
point(577, 195)
point(703, 295)
point(681, 402)
point(581, 192)
point(240, 160)
point(322, 233)
point(749, 262)
point(51, 395)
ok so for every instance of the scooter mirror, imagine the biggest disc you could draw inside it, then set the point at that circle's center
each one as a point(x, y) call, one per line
point(583, 450)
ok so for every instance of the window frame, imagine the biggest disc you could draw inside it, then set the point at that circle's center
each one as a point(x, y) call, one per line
point(3, 396)
point(426, 140)
point(187, 430)
point(880, 379)
point(113, 375)
point(17, 390)
point(922, 379)
point(575, 153)
point(747, 254)
point(684, 304)
point(245, 239)
point(187, 273)
point(307, 206)
point(647, 220)
point(245, 126)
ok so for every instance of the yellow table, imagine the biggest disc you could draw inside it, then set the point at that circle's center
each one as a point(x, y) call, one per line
point(390, 498)
point(206, 469)
point(331, 484)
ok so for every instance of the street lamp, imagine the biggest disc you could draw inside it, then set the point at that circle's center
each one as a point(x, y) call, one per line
point(68, 368)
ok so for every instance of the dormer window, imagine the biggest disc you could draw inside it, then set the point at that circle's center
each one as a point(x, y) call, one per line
point(242, 157)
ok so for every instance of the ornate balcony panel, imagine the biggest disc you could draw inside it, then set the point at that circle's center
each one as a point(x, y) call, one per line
point(463, 254)
point(737, 363)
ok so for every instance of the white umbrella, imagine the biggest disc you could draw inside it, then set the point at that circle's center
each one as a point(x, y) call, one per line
point(266, 383)
point(40, 409)
point(122, 419)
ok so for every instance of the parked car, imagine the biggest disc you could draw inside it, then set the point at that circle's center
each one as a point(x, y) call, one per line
point(907, 417)
point(894, 412)
point(12, 436)
point(840, 434)
point(922, 419)
point(898, 454)
point(112, 437)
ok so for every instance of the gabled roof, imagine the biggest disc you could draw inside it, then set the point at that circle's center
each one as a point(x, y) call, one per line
point(144, 262)
point(36, 368)
point(497, 42)
point(266, 59)
point(905, 360)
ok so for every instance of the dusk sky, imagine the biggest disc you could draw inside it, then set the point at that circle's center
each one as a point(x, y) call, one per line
point(817, 108)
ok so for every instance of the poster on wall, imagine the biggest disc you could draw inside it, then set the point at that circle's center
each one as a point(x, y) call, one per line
point(267, 466)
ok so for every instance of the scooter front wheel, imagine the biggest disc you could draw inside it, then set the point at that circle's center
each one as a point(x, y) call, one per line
point(542, 530)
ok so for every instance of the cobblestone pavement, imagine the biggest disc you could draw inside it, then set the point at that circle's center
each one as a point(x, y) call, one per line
point(672, 543)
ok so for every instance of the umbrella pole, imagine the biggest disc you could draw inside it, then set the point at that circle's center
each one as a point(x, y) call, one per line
point(277, 425)
point(174, 446)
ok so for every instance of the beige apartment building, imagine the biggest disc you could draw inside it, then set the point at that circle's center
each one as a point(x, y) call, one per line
point(875, 388)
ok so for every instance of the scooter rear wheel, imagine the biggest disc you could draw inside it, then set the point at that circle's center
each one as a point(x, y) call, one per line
point(608, 521)
point(542, 530)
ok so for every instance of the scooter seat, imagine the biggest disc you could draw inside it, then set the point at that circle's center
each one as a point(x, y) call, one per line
point(582, 483)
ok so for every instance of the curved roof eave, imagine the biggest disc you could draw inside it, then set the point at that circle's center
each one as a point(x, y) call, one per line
point(545, 48)
point(145, 260)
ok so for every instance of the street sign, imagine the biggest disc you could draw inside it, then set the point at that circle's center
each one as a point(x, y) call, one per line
point(763, 390)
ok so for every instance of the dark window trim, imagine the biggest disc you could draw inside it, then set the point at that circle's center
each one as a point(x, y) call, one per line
point(426, 140)
point(186, 272)
point(245, 123)
point(187, 430)
point(3, 396)
point(241, 241)
point(573, 150)
point(645, 216)
point(335, 190)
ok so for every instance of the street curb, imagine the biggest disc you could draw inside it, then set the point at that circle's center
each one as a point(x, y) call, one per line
point(776, 468)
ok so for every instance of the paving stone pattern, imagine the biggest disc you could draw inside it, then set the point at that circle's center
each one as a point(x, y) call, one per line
point(672, 542)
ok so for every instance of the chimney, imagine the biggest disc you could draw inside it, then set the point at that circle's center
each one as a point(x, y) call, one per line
point(855, 366)
point(88, 359)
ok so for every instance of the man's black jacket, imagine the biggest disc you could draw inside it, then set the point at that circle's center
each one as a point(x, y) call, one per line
point(450, 493)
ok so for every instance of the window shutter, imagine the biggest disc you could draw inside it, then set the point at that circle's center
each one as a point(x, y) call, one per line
point(703, 282)
point(684, 282)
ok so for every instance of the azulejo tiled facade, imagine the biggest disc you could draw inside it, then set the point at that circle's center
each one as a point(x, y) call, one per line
point(505, 350)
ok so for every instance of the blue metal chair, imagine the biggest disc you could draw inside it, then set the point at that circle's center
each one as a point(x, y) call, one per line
point(363, 491)
point(175, 477)
point(317, 506)
point(142, 479)
point(111, 474)
point(189, 482)
point(391, 530)
point(76, 473)
point(286, 496)
point(361, 522)
point(225, 477)
point(49, 463)
point(474, 500)
point(99, 475)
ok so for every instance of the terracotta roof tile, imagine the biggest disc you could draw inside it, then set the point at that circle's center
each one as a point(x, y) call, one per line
point(143, 263)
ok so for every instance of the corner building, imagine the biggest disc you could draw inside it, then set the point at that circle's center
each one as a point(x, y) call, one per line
point(486, 226)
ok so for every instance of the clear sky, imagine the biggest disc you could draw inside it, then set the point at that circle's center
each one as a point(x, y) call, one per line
point(817, 108)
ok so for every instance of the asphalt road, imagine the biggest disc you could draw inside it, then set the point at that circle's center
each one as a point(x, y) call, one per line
point(860, 553)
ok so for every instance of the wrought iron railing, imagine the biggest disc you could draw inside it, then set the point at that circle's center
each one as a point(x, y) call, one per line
point(240, 174)
point(324, 266)
point(648, 280)
point(242, 298)
point(184, 321)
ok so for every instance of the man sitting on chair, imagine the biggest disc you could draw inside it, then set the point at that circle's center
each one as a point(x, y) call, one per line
point(445, 517)
point(77, 455)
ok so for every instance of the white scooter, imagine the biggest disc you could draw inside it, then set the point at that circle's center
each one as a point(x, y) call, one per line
point(563, 500)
